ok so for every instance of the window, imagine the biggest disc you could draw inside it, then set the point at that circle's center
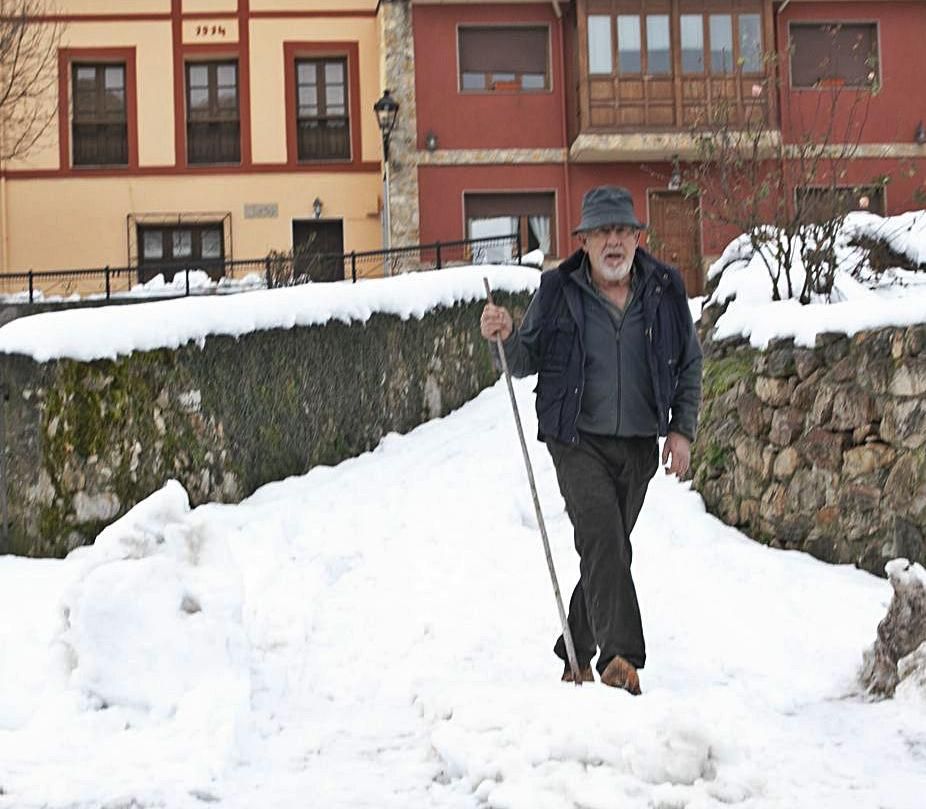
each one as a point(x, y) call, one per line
point(655, 63)
point(721, 30)
point(750, 43)
point(213, 127)
point(505, 58)
point(823, 203)
point(692, 33)
point(500, 215)
point(169, 249)
point(834, 54)
point(658, 49)
point(629, 59)
point(599, 44)
point(322, 123)
point(99, 127)
point(722, 54)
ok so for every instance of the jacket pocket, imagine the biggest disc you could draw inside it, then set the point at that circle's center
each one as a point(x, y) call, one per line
point(560, 345)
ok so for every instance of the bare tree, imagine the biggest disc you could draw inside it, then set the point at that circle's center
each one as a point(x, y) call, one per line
point(29, 39)
point(789, 194)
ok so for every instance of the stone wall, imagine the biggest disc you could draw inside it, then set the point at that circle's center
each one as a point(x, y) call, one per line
point(85, 441)
point(819, 449)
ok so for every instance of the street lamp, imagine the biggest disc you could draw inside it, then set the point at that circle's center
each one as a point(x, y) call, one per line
point(387, 110)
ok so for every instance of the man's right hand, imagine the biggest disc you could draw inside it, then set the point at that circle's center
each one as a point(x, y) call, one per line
point(495, 322)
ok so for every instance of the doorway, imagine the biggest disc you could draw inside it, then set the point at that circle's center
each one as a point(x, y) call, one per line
point(318, 249)
point(674, 235)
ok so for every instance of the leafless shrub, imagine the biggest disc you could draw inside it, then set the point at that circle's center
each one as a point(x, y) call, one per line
point(29, 40)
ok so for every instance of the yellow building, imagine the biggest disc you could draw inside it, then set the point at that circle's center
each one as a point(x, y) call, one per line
point(192, 130)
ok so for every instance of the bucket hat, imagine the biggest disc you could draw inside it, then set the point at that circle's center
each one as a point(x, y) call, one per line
point(607, 205)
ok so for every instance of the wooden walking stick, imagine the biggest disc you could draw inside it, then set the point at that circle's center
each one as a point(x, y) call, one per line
point(567, 634)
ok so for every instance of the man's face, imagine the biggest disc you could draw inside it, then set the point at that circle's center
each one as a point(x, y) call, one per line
point(610, 251)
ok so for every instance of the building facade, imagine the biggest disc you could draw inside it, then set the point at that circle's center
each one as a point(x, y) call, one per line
point(201, 130)
point(210, 130)
point(524, 106)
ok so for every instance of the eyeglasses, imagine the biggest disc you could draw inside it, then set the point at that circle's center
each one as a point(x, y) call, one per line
point(621, 231)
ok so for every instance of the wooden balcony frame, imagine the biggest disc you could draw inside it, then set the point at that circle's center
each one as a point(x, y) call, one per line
point(660, 134)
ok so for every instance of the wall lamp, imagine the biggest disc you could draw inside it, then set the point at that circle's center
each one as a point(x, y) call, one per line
point(317, 207)
point(387, 110)
point(430, 141)
point(920, 134)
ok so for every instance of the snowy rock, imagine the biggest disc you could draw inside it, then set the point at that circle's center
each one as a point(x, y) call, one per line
point(901, 635)
point(912, 673)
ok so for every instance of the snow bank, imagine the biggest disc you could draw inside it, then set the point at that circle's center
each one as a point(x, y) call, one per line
point(898, 298)
point(377, 635)
point(107, 332)
point(150, 625)
point(153, 630)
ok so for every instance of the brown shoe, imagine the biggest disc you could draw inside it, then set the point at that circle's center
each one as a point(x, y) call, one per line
point(620, 674)
point(585, 674)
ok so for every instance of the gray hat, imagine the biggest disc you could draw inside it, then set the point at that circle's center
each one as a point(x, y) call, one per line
point(607, 205)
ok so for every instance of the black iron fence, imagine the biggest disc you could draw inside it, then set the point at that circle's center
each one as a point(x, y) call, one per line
point(289, 268)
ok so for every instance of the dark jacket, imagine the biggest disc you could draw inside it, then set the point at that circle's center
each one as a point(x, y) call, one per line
point(550, 344)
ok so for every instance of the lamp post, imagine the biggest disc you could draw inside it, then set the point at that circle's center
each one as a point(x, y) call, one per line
point(387, 110)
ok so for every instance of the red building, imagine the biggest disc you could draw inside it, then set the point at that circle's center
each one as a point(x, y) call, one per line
point(523, 106)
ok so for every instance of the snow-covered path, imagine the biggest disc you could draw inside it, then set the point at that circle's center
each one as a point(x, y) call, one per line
point(378, 635)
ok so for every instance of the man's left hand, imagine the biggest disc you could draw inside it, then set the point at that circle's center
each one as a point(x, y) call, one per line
point(678, 448)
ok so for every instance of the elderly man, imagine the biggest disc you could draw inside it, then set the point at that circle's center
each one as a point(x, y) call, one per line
point(610, 335)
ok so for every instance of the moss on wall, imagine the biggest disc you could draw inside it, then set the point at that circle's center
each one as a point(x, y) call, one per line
point(723, 373)
point(87, 440)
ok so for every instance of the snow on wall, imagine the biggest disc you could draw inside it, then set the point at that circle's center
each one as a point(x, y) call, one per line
point(112, 331)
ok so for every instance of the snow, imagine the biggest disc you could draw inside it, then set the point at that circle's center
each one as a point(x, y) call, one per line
point(199, 281)
point(157, 287)
point(378, 634)
point(110, 331)
point(896, 299)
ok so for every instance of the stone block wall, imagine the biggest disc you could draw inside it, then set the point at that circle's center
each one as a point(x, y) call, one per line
point(84, 441)
point(819, 449)
point(396, 38)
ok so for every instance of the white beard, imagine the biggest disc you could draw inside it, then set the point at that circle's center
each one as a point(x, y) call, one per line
point(616, 274)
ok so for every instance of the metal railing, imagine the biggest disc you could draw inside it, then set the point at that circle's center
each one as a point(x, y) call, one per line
point(289, 268)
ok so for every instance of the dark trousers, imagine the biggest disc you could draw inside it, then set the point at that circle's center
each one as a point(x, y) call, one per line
point(604, 480)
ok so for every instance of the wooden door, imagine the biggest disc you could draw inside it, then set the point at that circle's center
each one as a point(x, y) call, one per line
point(318, 246)
point(674, 235)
